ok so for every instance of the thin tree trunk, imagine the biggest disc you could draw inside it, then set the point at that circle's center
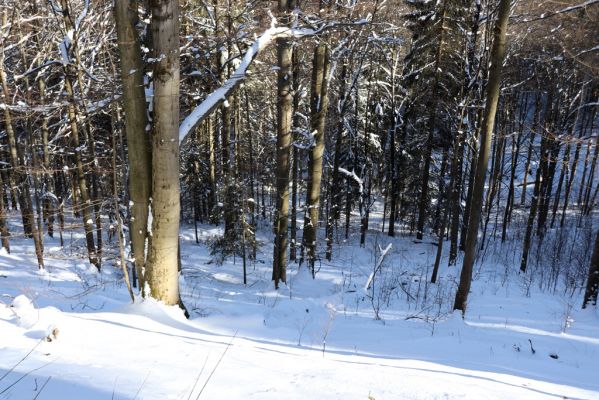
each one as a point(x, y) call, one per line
point(495, 181)
point(428, 147)
point(572, 169)
point(527, 169)
point(295, 166)
point(589, 183)
point(119, 221)
point(510, 194)
point(284, 139)
point(497, 55)
point(471, 177)
point(534, 203)
point(590, 294)
point(319, 106)
point(3, 225)
point(334, 189)
point(19, 172)
point(17, 179)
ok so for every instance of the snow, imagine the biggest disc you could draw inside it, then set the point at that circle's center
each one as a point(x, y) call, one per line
point(310, 339)
point(24, 311)
point(352, 175)
point(64, 46)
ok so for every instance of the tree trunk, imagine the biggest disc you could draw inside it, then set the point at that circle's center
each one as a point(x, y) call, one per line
point(162, 270)
point(428, 147)
point(138, 144)
point(589, 184)
point(17, 178)
point(572, 169)
point(590, 294)
point(295, 166)
point(284, 139)
point(20, 176)
point(494, 180)
point(534, 204)
point(527, 169)
point(319, 105)
point(3, 225)
point(334, 188)
point(497, 55)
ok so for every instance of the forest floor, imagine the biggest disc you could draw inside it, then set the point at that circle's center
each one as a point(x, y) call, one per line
point(312, 339)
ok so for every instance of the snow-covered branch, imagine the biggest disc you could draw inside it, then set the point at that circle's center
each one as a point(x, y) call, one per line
point(217, 97)
point(22, 107)
point(352, 175)
point(377, 266)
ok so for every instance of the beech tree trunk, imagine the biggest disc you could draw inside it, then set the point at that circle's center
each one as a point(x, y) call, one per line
point(162, 270)
point(136, 120)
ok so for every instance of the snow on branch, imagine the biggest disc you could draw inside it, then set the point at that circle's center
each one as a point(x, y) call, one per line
point(215, 98)
point(22, 107)
point(353, 176)
point(377, 266)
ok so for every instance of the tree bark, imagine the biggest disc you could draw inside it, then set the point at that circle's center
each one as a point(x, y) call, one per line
point(319, 102)
point(162, 270)
point(136, 120)
point(284, 139)
point(20, 176)
point(497, 55)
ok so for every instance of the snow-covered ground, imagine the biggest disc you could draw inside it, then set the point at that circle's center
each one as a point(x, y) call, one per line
point(311, 339)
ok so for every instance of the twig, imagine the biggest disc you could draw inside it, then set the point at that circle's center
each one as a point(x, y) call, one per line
point(114, 388)
point(21, 360)
point(42, 388)
point(24, 375)
point(142, 385)
point(197, 378)
point(216, 366)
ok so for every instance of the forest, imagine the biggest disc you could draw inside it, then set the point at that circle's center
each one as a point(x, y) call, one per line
point(385, 192)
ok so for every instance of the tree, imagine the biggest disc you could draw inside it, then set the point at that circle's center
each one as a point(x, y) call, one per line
point(319, 102)
point(590, 294)
point(284, 126)
point(136, 121)
point(162, 265)
point(497, 55)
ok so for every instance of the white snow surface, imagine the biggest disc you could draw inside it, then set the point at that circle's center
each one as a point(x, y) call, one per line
point(311, 339)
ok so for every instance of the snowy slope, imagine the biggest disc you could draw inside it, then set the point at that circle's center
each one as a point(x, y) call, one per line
point(311, 339)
